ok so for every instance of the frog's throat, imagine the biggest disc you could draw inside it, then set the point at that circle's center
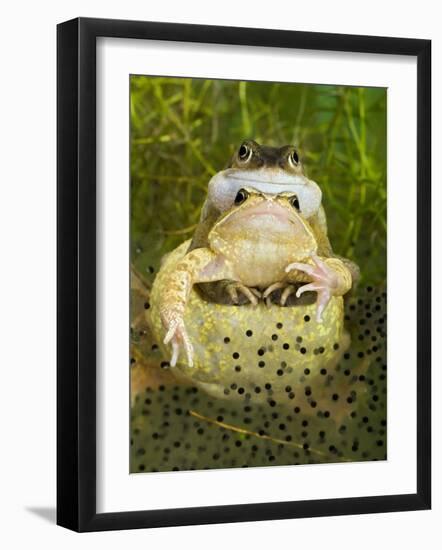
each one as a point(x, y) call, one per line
point(224, 186)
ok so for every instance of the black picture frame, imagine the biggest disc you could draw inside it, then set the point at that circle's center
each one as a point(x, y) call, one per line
point(76, 272)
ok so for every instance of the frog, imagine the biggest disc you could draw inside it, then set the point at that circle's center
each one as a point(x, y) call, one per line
point(262, 230)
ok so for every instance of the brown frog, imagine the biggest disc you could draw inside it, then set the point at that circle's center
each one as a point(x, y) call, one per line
point(262, 230)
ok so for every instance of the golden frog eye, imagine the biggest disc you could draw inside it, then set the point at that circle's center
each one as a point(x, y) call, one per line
point(294, 158)
point(244, 153)
point(241, 196)
point(295, 202)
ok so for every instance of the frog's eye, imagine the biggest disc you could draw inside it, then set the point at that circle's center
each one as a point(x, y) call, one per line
point(294, 159)
point(244, 153)
point(294, 202)
point(241, 196)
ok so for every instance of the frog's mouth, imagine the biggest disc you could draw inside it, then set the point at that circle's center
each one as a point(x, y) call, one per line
point(266, 213)
point(224, 186)
point(267, 220)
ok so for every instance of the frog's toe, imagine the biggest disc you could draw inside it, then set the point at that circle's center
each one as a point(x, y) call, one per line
point(286, 293)
point(177, 336)
point(323, 297)
point(181, 340)
point(324, 281)
point(321, 274)
point(252, 294)
point(287, 290)
point(175, 353)
point(256, 292)
point(270, 289)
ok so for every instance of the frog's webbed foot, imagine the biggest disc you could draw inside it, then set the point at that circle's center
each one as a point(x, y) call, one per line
point(177, 336)
point(287, 290)
point(324, 282)
point(233, 288)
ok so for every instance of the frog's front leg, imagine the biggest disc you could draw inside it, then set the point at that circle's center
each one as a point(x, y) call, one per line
point(198, 266)
point(329, 277)
point(286, 288)
point(251, 294)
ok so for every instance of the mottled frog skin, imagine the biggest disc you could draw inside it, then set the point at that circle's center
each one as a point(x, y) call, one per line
point(261, 242)
point(248, 347)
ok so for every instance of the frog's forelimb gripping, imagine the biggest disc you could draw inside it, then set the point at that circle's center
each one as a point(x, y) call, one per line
point(288, 290)
point(252, 294)
point(176, 335)
point(198, 266)
point(330, 277)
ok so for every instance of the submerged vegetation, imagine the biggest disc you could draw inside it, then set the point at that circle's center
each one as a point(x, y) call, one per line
point(185, 130)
